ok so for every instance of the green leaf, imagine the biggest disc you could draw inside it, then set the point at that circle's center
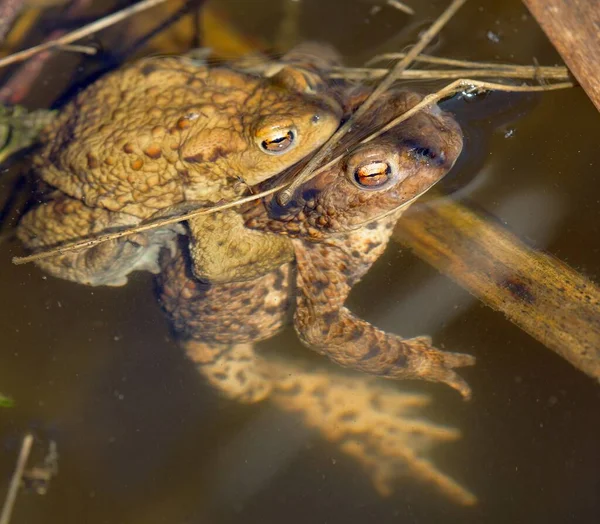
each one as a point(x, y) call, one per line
point(6, 402)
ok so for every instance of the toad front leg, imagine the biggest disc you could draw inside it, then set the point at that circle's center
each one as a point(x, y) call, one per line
point(326, 275)
point(61, 219)
point(219, 324)
point(223, 250)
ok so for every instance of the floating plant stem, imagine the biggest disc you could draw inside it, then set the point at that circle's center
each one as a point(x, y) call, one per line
point(15, 481)
point(514, 72)
point(439, 60)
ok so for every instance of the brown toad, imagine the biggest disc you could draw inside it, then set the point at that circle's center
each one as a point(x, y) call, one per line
point(161, 134)
point(339, 223)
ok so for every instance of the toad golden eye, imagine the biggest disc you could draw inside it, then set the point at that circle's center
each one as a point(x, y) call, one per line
point(373, 175)
point(279, 142)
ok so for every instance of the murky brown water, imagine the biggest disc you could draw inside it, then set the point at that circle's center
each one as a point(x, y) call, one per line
point(142, 439)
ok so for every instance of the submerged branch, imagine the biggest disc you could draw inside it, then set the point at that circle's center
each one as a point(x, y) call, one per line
point(9, 12)
point(537, 292)
point(573, 28)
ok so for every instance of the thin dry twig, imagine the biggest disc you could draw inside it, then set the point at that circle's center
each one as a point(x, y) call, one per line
point(401, 7)
point(450, 89)
point(392, 76)
point(74, 48)
point(147, 226)
point(517, 72)
point(15, 481)
point(82, 32)
point(438, 60)
point(463, 84)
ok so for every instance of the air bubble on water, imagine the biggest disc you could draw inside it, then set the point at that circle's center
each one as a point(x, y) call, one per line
point(470, 93)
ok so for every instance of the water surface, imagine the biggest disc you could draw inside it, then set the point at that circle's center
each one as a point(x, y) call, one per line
point(142, 439)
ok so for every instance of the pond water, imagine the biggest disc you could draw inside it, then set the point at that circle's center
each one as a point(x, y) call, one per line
point(142, 439)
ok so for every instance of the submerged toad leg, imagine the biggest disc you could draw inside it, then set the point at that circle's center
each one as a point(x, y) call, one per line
point(381, 427)
point(219, 324)
point(63, 219)
point(326, 274)
point(234, 369)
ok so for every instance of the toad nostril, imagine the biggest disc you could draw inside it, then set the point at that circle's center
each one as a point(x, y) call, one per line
point(315, 119)
point(428, 154)
point(425, 152)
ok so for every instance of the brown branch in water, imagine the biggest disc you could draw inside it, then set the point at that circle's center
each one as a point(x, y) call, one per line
point(82, 32)
point(9, 12)
point(516, 72)
point(383, 86)
point(537, 292)
point(15, 481)
point(19, 84)
point(21, 81)
point(573, 28)
point(454, 87)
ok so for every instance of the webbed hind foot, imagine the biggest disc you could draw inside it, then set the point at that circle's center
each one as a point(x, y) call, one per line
point(234, 369)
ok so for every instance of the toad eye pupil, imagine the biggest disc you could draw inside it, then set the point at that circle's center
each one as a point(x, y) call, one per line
point(278, 144)
point(373, 174)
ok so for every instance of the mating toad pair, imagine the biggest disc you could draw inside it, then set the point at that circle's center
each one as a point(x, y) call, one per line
point(167, 134)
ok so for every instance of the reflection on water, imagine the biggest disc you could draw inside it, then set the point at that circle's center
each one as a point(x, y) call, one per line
point(377, 425)
point(372, 423)
point(141, 439)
